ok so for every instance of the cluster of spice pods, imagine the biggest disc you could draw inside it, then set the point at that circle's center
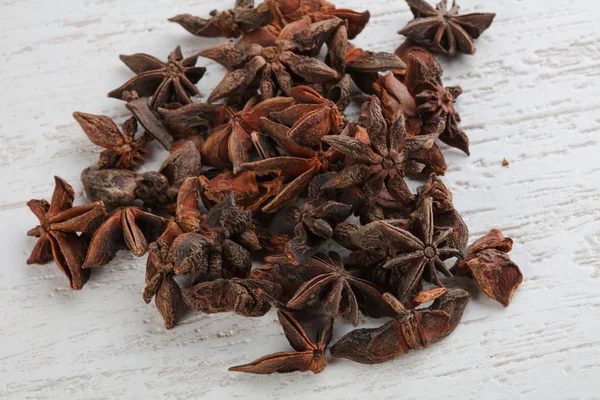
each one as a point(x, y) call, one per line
point(279, 144)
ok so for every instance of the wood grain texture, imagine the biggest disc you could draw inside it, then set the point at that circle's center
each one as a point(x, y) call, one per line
point(531, 95)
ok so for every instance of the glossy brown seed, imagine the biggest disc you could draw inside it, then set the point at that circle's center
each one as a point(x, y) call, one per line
point(309, 355)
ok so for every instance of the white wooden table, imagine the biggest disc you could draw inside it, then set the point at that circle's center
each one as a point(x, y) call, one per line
point(531, 95)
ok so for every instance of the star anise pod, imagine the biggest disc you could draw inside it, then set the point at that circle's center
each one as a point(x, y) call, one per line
point(384, 160)
point(194, 119)
point(160, 283)
point(126, 227)
point(122, 149)
point(148, 118)
point(249, 193)
point(310, 118)
point(286, 274)
point(422, 254)
point(230, 144)
point(316, 219)
point(409, 330)
point(444, 214)
point(171, 81)
point(240, 296)
point(444, 31)
point(244, 17)
point(297, 168)
point(58, 240)
point(272, 67)
point(338, 291)
point(491, 268)
point(397, 100)
point(309, 356)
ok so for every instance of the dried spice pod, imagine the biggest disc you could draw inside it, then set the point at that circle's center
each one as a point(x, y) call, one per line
point(171, 81)
point(193, 119)
point(126, 227)
point(409, 330)
point(422, 254)
point(412, 73)
point(339, 292)
point(57, 232)
point(316, 219)
point(289, 276)
point(444, 214)
point(229, 145)
point(443, 30)
point(160, 283)
point(309, 355)
point(244, 17)
point(272, 67)
point(297, 168)
point(491, 268)
point(122, 149)
point(249, 193)
point(310, 118)
point(161, 187)
point(240, 296)
point(114, 187)
point(147, 117)
point(383, 158)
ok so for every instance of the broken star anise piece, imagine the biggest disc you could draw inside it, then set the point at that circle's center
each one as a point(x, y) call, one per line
point(309, 356)
point(316, 219)
point(272, 67)
point(240, 296)
point(384, 160)
point(310, 118)
point(125, 227)
point(57, 232)
point(410, 330)
point(421, 255)
point(244, 17)
point(122, 150)
point(338, 291)
point(491, 268)
point(443, 30)
point(173, 81)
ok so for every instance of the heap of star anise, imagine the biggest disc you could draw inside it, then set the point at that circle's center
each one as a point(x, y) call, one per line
point(274, 173)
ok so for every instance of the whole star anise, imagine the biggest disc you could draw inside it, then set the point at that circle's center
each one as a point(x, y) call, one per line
point(122, 150)
point(297, 168)
point(444, 31)
point(422, 254)
point(488, 263)
point(410, 330)
point(384, 160)
point(57, 232)
point(310, 118)
point(316, 219)
point(309, 356)
point(125, 227)
point(272, 66)
point(173, 81)
point(338, 291)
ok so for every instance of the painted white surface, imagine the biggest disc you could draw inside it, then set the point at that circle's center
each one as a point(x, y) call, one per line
point(531, 95)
